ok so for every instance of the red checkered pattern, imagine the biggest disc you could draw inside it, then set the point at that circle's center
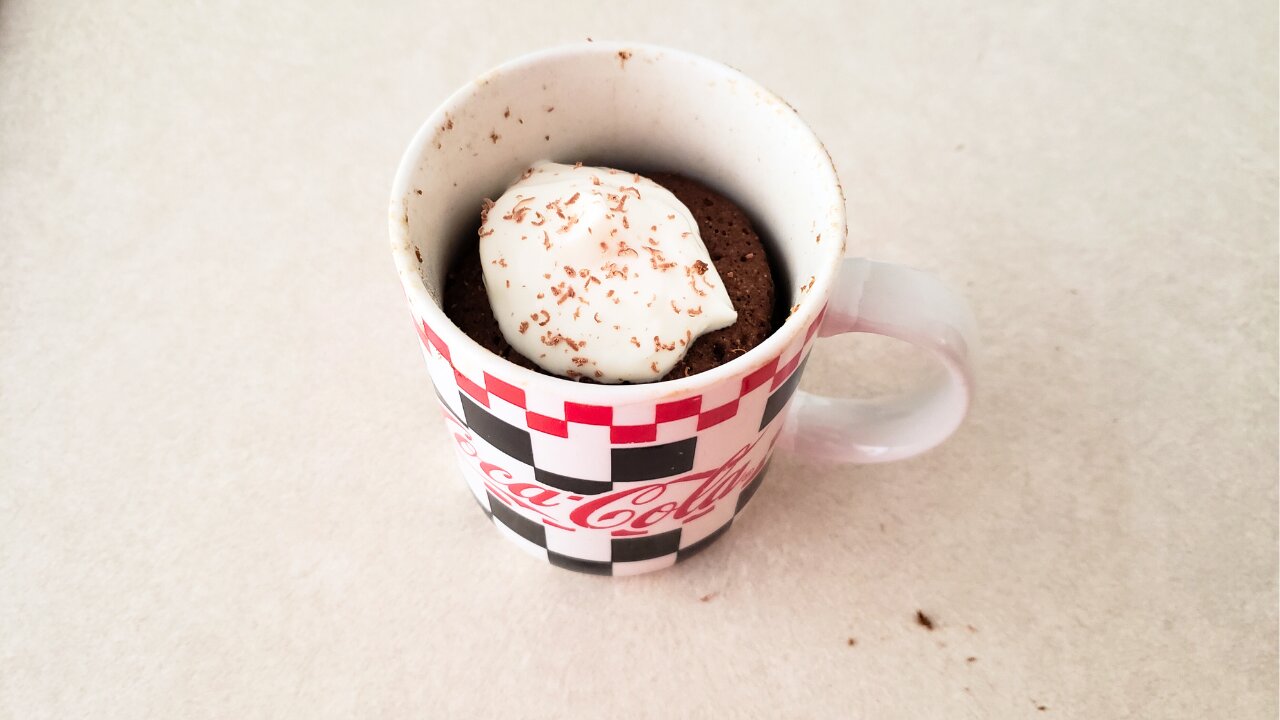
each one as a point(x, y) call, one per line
point(769, 376)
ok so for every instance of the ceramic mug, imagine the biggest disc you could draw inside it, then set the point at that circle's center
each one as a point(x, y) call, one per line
point(626, 479)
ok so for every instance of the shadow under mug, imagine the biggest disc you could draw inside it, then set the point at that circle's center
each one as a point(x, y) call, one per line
point(620, 480)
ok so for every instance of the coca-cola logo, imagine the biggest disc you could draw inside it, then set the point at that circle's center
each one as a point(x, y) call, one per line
point(626, 512)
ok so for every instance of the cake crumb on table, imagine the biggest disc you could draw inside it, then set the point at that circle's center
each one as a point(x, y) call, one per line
point(923, 620)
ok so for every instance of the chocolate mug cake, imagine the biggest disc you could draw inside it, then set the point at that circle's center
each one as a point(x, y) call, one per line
point(655, 251)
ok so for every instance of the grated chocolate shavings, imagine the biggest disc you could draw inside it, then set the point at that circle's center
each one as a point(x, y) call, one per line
point(659, 346)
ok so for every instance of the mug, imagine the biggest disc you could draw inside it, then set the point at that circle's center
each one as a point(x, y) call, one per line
point(627, 479)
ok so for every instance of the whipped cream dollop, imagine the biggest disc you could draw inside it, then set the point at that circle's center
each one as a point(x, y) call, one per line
point(594, 272)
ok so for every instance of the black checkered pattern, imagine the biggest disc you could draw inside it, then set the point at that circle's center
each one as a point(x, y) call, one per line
point(541, 465)
point(629, 464)
point(661, 550)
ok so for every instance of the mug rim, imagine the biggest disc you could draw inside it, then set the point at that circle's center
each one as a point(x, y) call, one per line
point(425, 309)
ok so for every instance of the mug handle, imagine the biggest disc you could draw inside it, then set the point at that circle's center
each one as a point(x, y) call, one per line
point(906, 304)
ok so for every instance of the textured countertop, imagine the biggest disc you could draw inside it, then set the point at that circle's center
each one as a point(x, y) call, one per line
point(225, 491)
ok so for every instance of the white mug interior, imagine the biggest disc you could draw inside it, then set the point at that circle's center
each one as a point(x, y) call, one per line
point(638, 108)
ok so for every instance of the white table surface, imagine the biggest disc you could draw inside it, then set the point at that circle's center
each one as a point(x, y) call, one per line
point(225, 493)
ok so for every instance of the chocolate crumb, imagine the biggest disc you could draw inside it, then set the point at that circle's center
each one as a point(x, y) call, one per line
point(623, 57)
point(852, 642)
point(417, 191)
point(524, 325)
point(417, 253)
point(924, 620)
point(971, 659)
point(546, 137)
point(494, 137)
point(708, 597)
point(506, 113)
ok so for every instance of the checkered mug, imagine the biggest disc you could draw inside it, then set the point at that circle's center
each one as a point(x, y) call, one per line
point(626, 479)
